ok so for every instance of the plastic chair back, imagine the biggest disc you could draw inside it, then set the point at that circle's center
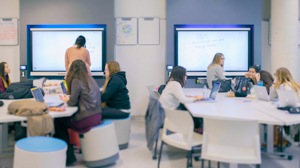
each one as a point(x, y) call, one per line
point(233, 134)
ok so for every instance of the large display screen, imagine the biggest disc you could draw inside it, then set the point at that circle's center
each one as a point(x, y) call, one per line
point(196, 48)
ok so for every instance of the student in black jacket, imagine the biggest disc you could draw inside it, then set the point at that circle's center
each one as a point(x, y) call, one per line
point(115, 94)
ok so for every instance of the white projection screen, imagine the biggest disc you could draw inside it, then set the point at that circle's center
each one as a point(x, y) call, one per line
point(196, 48)
point(48, 47)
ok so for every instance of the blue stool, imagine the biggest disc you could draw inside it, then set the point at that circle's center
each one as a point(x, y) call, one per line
point(123, 131)
point(99, 146)
point(37, 152)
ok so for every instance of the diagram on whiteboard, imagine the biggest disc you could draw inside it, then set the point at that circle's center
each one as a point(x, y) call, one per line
point(126, 31)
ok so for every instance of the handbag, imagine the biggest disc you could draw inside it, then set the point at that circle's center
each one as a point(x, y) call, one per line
point(225, 84)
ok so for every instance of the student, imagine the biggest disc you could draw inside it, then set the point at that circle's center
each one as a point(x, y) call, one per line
point(115, 93)
point(262, 75)
point(5, 80)
point(84, 93)
point(78, 52)
point(173, 95)
point(284, 79)
point(253, 74)
point(215, 69)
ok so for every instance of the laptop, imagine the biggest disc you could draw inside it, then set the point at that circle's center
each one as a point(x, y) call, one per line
point(287, 98)
point(261, 93)
point(38, 96)
point(213, 93)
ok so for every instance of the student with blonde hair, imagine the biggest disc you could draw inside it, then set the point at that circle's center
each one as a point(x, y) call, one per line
point(4, 78)
point(115, 93)
point(284, 79)
point(215, 69)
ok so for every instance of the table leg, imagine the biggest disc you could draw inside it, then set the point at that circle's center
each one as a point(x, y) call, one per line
point(233, 165)
point(270, 139)
point(1, 139)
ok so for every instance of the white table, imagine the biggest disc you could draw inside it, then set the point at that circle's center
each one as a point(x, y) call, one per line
point(242, 109)
point(6, 118)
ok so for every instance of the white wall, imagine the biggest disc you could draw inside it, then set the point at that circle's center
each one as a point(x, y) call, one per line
point(144, 64)
point(11, 54)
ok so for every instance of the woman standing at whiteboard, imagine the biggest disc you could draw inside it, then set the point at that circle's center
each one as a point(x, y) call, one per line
point(215, 69)
point(78, 52)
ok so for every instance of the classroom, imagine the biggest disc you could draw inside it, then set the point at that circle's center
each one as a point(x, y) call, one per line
point(157, 83)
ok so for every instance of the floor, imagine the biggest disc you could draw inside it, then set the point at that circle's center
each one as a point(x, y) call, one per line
point(137, 155)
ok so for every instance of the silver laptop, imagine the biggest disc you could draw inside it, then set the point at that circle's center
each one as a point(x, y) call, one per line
point(261, 93)
point(213, 93)
point(38, 96)
point(287, 98)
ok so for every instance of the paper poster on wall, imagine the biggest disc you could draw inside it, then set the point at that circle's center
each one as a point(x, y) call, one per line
point(126, 31)
point(8, 31)
point(148, 31)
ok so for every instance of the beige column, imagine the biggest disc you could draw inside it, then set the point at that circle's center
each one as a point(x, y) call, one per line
point(284, 35)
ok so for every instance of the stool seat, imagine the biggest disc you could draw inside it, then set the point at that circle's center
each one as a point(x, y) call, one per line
point(41, 144)
point(99, 146)
point(37, 152)
point(122, 126)
point(104, 123)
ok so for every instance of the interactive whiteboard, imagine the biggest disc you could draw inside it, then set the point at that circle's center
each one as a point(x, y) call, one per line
point(49, 47)
point(196, 48)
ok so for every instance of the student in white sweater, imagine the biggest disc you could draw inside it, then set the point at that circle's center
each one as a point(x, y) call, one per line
point(173, 95)
point(215, 69)
point(283, 78)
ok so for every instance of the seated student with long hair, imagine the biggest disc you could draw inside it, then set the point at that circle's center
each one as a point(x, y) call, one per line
point(115, 92)
point(4, 78)
point(84, 93)
point(215, 69)
point(255, 75)
point(173, 95)
point(284, 78)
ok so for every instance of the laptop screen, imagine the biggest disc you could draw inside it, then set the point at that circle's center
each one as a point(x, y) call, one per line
point(214, 90)
point(37, 94)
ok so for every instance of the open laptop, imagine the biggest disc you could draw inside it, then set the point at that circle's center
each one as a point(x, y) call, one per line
point(38, 96)
point(287, 98)
point(261, 93)
point(213, 93)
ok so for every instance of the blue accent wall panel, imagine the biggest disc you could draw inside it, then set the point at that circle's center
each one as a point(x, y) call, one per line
point(210, 12)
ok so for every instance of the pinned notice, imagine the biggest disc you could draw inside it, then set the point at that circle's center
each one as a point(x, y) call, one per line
point(8, 31)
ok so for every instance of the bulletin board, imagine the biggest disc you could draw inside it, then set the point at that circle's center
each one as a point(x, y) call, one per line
point(9, 31)
point(126, 31)
point(148, 33)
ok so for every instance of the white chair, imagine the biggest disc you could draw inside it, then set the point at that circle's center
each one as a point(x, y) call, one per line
point(151, 89)
point(37, 152)
point(182, 125)
point(122, 126)
point(222, 141)
point(100, 146)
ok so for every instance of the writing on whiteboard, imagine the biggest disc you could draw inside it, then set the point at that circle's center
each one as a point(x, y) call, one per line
point(8, 31)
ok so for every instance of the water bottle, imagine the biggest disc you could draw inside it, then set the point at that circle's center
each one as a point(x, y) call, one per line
point(253, 94)
point(205, 91)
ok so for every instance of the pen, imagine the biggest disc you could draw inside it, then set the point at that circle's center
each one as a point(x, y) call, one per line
point(247, 101)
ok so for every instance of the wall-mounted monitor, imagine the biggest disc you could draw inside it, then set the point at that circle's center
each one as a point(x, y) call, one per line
point(47, 45)
point(196, 46)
